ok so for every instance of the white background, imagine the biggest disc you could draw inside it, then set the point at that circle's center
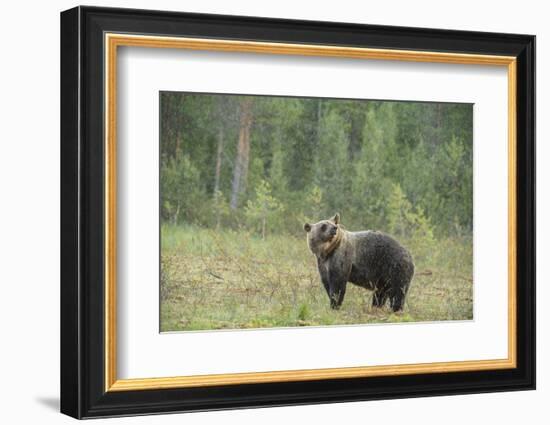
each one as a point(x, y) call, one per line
point(143, 72)
point(29, 225)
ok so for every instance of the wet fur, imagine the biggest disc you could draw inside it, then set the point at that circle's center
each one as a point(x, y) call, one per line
point(369, 259)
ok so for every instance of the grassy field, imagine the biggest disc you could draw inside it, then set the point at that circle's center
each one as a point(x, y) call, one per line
point(234, 280)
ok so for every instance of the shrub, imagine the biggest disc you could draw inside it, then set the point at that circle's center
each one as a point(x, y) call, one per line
point(263, 210)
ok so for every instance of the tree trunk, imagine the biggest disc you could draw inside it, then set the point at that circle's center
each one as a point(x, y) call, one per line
point(438, 140)
point(318, 124)
point(217, 176)
point(221, 118)
point(218, 209)
point(176, 215)
point(218, 160)
point(240, 172)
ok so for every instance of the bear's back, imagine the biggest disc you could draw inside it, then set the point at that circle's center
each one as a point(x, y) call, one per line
point(376, 252)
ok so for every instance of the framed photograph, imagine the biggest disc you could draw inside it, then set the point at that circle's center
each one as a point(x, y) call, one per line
point(260, 212)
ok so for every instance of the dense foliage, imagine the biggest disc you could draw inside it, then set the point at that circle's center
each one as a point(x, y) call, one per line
point(268, 164)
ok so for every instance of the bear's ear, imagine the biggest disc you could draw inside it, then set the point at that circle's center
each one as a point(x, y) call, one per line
point(307, 227)
point(336, 219)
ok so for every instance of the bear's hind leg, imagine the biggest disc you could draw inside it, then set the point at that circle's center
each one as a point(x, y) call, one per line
point(397, 298)
point(396, 302)
point(379, 297)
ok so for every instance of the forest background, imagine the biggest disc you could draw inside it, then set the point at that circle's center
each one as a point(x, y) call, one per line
point(240, 175)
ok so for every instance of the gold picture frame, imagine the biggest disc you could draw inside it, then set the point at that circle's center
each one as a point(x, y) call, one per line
point(114, 41)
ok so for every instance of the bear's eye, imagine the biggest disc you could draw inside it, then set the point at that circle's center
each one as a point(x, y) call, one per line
point(323, 227)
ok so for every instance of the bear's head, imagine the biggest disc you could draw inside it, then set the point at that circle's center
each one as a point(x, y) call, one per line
point(323, 237)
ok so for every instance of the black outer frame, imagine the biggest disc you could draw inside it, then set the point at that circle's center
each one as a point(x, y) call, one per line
point(82, 217)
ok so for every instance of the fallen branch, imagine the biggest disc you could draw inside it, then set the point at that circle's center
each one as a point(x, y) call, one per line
point(214, 275)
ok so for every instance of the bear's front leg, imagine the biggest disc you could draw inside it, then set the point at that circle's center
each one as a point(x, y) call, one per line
point(323, 272)
point(337, 298)
point(337, 288)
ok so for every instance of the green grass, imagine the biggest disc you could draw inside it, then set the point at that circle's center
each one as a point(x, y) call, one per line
point(235, 280)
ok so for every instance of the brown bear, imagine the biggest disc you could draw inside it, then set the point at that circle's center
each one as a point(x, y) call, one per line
point(370, 259)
